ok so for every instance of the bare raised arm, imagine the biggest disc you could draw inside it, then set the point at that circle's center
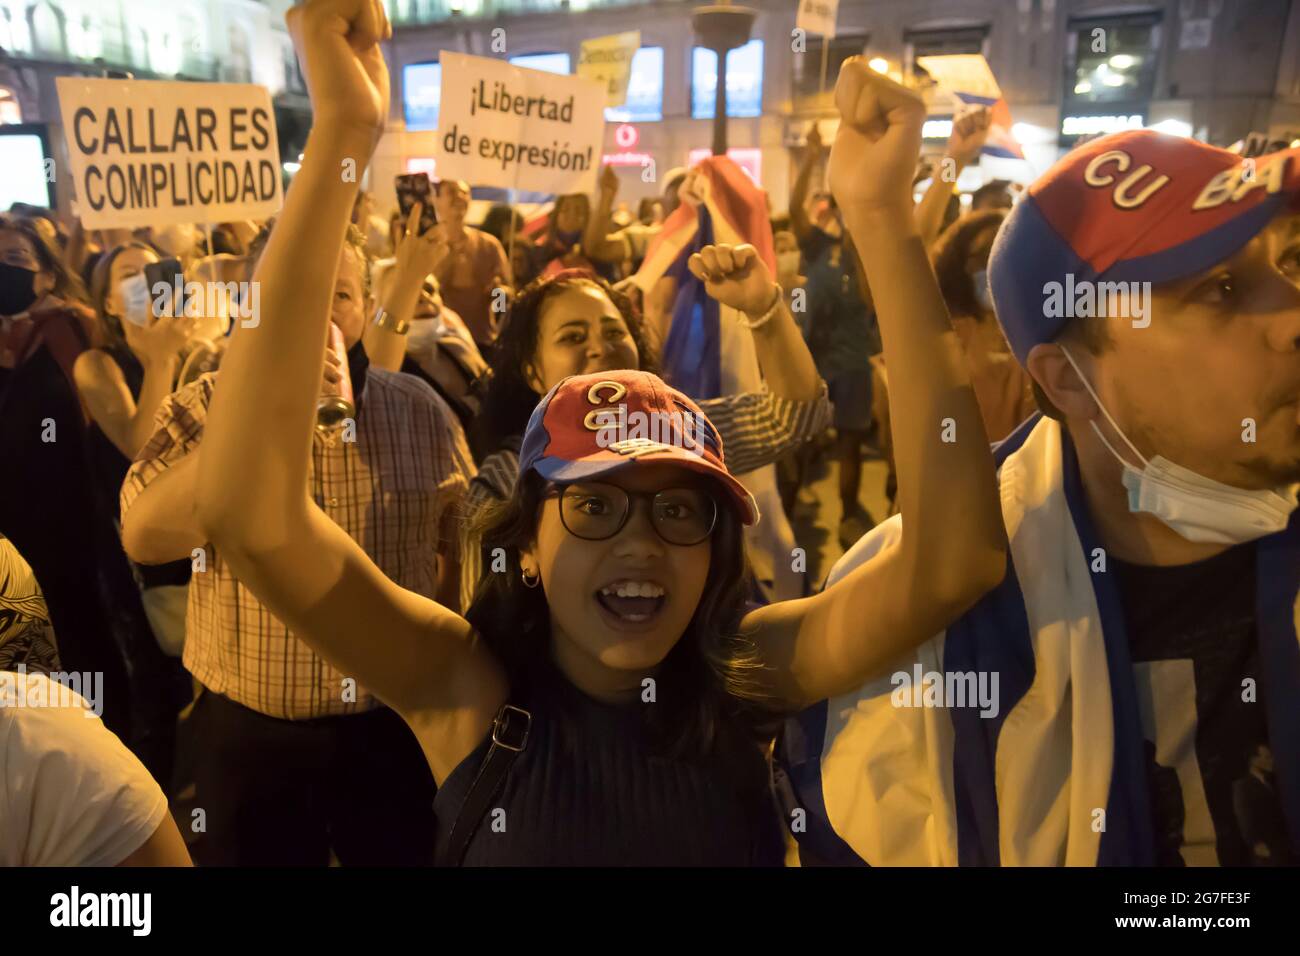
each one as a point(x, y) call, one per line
point(252, 503)
point(417, 256)
point(969, 133)
point(598, 243)
point(800, 224)
point(737, 277)
point(128, 421)
point(953, 546)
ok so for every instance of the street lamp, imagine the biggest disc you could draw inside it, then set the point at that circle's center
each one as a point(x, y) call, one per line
point(721, 27)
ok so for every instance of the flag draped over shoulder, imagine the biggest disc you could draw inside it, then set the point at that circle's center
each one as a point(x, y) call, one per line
point(1056, 773)
point(692, 356)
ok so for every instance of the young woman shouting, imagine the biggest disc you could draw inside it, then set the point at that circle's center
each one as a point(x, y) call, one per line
point(630, 554)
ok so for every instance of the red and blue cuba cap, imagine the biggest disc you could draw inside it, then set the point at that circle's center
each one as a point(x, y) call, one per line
point(590, 426)
point(1134, 206)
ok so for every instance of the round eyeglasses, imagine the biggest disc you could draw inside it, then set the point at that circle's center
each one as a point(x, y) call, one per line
point(595, 511)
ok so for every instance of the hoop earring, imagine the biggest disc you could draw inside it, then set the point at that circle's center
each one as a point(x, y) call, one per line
point(530, 582)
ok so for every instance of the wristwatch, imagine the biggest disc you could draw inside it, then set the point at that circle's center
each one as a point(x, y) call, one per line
point(384, 320)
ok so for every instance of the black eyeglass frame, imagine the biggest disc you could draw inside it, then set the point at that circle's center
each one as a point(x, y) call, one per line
point(557, 490)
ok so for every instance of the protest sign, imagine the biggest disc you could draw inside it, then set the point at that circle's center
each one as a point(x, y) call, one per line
point(963, 73)
point(608, 61)
point(153, 153)
point(506, 126)
point(817, 16)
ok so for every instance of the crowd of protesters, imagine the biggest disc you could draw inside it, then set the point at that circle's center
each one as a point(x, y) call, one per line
point(358, 638)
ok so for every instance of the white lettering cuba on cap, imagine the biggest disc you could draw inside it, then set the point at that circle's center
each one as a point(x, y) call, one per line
point(1135, 206)
point(575, 433)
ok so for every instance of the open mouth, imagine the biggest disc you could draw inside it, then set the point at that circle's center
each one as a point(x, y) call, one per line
point(632, 602)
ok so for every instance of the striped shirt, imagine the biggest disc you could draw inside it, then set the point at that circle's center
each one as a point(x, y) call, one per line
point(757, 428)
point(389, 490)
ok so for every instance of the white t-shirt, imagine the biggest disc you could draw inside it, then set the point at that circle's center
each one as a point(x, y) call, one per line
point(71, 794)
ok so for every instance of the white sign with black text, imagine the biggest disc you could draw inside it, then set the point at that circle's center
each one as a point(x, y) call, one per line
point(817, 16)
point(156, 153)
point(506, 126)
point(608, 61)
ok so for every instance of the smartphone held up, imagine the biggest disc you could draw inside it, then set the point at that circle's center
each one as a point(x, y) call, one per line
point(412, 188)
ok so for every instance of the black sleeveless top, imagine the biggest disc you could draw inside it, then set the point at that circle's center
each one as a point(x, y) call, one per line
point(591, 790)
point(109, 467)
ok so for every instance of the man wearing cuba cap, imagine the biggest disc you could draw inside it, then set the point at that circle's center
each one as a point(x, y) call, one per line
point(1130, 694)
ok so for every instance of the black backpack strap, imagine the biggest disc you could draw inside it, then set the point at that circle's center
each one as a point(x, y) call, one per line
point(509, 738)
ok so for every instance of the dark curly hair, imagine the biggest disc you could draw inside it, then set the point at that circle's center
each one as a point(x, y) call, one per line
point(509, 399)
point(710, 675)
point(951, 250)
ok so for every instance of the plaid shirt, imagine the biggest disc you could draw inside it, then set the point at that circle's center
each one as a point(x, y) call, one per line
point(388, 490)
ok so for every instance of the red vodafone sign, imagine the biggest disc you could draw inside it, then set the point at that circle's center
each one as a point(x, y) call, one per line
point(626, 136)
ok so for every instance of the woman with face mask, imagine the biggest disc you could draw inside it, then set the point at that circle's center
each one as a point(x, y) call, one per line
point(605, 695)
point(47, 498)
point(125, 381)
point(122, 384)
point(1002, 386)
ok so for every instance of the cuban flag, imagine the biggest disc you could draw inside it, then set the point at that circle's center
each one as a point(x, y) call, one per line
point(969, 79)
point(1001, 142)
point(1053, 767)
point(720, 204)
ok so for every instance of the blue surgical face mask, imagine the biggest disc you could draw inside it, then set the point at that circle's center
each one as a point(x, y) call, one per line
point(1198, 508)
point(983, 295)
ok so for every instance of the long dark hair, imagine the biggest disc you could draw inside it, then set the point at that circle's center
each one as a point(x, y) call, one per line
point(66, 284)
point(509, 399)
point(708, 679)
point(951, 250)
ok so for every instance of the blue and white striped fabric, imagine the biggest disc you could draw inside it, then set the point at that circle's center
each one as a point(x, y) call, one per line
point(1058, 776)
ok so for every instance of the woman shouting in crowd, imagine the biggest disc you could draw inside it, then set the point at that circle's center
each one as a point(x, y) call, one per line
point(602, 701)
point(574, 323)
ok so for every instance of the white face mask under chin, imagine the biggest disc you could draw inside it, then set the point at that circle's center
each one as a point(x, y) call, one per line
point(1198, 508)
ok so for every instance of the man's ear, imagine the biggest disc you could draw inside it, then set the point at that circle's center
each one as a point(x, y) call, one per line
point(1059, 381)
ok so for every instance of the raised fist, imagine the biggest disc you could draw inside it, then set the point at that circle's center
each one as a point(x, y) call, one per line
point(338, 49)
point(970, 130)
point(609, 182)
point(814, 142)
point(735, 276)
point(879, 139)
